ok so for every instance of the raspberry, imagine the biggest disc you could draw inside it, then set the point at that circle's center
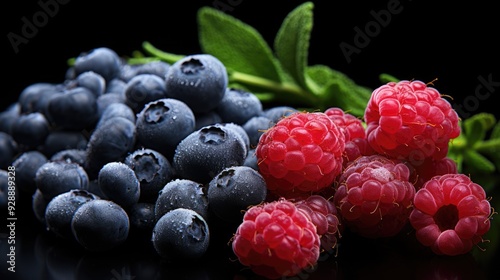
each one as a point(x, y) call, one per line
point(323, 213)
point(276, 240)
point(351, 126)
point(451, 214)
point(425, 170)
point(300, 154)
point(374, 196)
point(356, 144)
point(410, 120)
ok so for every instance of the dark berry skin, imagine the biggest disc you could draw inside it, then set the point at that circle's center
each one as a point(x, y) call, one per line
point(142, 89)
point(142, 217)
point(70, 155)
point(278, 112)
point(182, 193)
point(158, 68)
point(206, 152)
point(255, 127)
point(100, 225)
point(204, 119)
point(60, 210)
point(9, 116)
point(198, 80)
point(92, 81)
point(102, 61)
point(27, 164)
point(39, 205)
point(54, 178)
point(234, 190)
point(240, 132)
point(57, 141)
point(8, 150)
point(119, 183)
point(107, 99)
point(75, 109)
point(34, 97)
point(116, 110)
point(153, 170)
point(238, 106)
point(181, 234)
point(163, 123)
point(111, 141)
point(116, 86)
point(4, 188)
point(251, 160)
point(30, 130)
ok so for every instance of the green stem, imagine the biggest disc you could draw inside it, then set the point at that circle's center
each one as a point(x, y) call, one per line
point(283, 91)
point(167, 57)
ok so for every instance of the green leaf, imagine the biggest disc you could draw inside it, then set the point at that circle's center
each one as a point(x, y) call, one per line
point(337, 89)
point(476, 161)
point(292, 41)
point(491, 146)
point(495, 133)
point(476, 126)
point(236, 44)
point(386, 78)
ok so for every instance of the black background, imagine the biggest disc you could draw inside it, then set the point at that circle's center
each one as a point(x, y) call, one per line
point(455, 43)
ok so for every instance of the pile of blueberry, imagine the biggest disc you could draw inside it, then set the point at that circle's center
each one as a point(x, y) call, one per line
point(161, 149)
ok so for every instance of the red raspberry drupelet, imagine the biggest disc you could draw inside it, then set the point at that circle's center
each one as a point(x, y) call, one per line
point(409, 120)
point(451, 214)
point(323, 213)
point(301, 154)
point(374, 196)
point(276, 240)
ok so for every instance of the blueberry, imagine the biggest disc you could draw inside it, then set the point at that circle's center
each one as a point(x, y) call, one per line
point(238, 106)
point(240, 133)
point(116, 110)
point(39, 205)
point(208, 118)
point(255, 127)
point(251, 160)
point(107, 99)
point(158, 68)
point(199, 80)
point(30, 129)
point(100, 225)
point(181, 234)
point(111, 141)
point(153, 170)
point(142, 217)
point(70, 155)
point(103, 61)
point(27, 164)
point(205, 152)
point(4, 189)
point(75, 109)
point(234, 190)
point(34, 98)
point(54, 178)
point(92, 81)
point(60, 210)
point(278, 112)
point(116, 86)
point(182, 193)
point(119, 183)
point(163, 123)
point(9, 116)
point(8, 150)
point(142, 89)
point(61, 140)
